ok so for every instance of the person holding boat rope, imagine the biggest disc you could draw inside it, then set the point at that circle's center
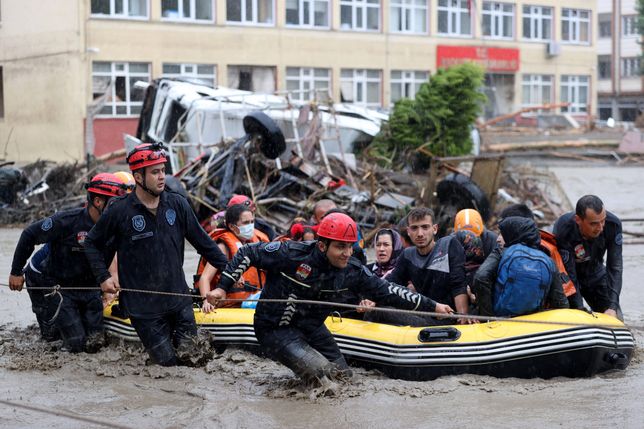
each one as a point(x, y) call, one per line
point(294, 333)
point(80, 316)
point(149, 226)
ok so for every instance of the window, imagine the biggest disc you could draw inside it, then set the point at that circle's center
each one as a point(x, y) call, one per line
point(537, 23)
point(604, 67)
point(1, 94)
point(574, 90)
point(250, 11)
point(252, 78)
point(604, 25)
point(575, 25)
point(118, 79)
point(203, 74)
point(630, 67)
point(187, 10)
point(408, 16)
point(536, 89)
point(454, 18)
point(360, 15)
point(360, 86)
point(498, 20)
point(304, 84)
point(307, 13)
point(405, 84)
point(127, 9)
point(629, 25)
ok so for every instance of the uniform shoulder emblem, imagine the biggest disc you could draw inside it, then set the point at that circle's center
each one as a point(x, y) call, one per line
point(273, 246)
point(47, 224)
point(619, 239)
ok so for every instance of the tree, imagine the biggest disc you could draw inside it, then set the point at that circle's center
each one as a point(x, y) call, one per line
point(437, 122)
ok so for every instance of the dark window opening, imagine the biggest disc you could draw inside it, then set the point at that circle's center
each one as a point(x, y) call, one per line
point(1, 94)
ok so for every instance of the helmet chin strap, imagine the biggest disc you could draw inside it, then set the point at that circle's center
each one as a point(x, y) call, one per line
point(145, 188)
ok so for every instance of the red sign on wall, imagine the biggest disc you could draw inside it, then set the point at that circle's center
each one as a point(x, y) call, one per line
point(492, 59)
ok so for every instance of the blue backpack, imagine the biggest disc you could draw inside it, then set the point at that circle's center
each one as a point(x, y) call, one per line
point(523, 278)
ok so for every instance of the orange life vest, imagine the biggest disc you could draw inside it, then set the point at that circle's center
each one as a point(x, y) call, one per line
point(549, 241)
point(253, 277)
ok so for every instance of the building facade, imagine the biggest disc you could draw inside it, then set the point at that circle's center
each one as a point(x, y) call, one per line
point(620, 83)
point(61, 60)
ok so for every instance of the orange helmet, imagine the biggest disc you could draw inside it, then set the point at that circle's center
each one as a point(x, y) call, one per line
point(145, 155)
point(338, 227)
point(470, 220)
point(127, 178)
point(106, 184)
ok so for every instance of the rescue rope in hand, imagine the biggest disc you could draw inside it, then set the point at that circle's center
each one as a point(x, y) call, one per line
point(355, 307)
point(61, 413)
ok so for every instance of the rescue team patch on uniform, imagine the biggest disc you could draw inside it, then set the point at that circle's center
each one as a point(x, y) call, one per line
point(619, 239)
point(170, 216)
point(138, 223)
point(565, 255)
point(47, 224)
point(303, 271)
point(272, 246)
point(80, 237)
point(580, 252)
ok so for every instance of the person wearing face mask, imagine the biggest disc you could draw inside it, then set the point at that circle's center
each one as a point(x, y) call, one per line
point(239, 230)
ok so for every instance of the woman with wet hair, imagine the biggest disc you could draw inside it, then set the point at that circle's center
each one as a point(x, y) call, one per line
point(388, 246)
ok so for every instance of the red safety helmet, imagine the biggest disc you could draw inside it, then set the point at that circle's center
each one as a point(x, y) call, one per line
point(241, 199)
point(338, 227)
point(145, 155)
point(106, 184)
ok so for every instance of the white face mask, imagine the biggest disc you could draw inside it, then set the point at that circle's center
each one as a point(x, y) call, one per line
point(247, 231)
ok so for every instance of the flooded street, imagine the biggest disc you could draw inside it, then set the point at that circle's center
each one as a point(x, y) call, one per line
point(238, 389)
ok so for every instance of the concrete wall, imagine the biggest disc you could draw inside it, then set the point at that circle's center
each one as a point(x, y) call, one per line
point(42, 57)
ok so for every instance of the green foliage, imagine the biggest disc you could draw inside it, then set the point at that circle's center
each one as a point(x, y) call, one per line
point(438, 121)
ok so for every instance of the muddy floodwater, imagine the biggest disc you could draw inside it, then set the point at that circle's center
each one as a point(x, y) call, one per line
point(238, 389)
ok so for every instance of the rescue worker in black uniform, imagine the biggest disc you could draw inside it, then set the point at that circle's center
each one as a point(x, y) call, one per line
point(294, 333)
point(149, 226)
point(583, 238)
point(436, 268)
point(80, 320)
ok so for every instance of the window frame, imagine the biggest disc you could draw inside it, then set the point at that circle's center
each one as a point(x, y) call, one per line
point(604, 59)
point(414, 82)
point(112, 15)
point(254, 22)
point(536, 84)
point(192, 19)
point(499, 15)
point(574, 88)
point(188, 75)
point(360, 77)
point(113, 75)
point(577, 21)
point(632, 26)
point(364, 6)
point(312, 15)
point(630, 67)
point(412, 9)
point(307, 75)
point(602, 19)
point(457, 12)
point(538, 19)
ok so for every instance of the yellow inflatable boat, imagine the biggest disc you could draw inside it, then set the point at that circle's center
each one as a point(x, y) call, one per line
point(571, 343)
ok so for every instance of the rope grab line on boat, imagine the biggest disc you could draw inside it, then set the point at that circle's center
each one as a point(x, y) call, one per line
point(56, 290)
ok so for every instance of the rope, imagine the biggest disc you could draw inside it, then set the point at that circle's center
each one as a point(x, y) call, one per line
point(56, 291)
point(355, 307)
point(61, 413)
